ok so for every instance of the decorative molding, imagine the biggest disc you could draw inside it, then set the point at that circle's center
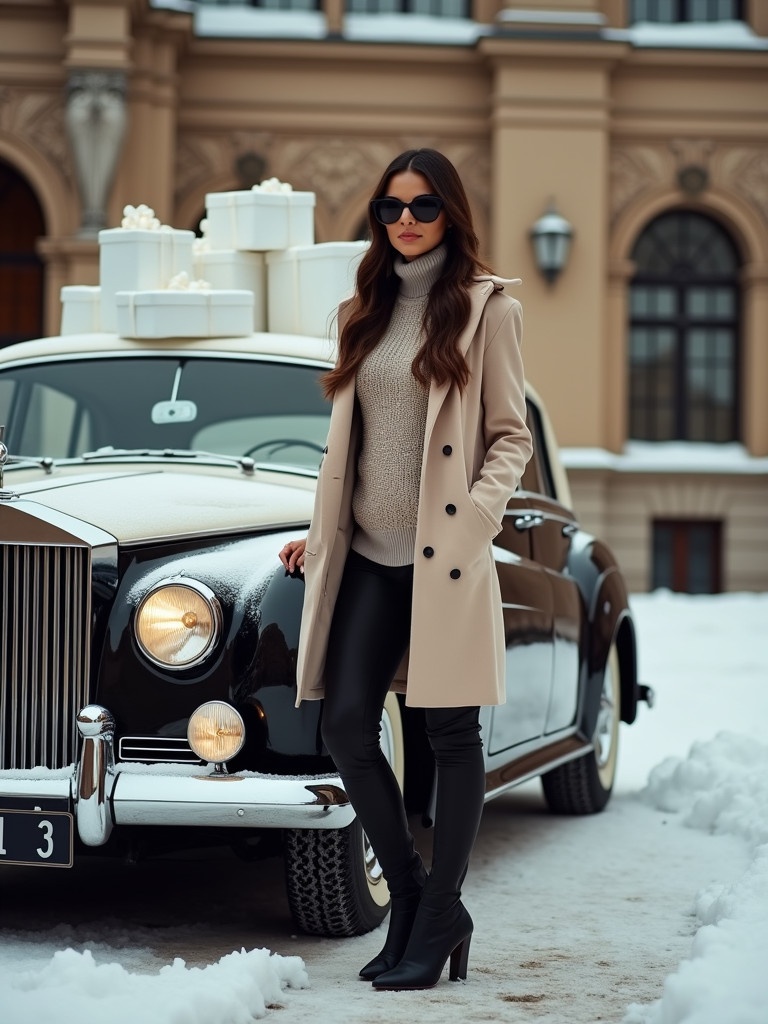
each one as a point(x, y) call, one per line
point(745, 171)
point(741, 170)
point(692, 152)
point(634, 170)
point(338, 169)
point(38, 119)
point(201, 159)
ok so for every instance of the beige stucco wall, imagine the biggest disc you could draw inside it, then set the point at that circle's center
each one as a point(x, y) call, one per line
point(621, 507)
point(599, 127)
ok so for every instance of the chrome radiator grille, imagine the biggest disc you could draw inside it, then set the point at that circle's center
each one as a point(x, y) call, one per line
point(44, 658)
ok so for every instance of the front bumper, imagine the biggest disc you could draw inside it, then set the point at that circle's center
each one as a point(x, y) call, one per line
point(104, 794)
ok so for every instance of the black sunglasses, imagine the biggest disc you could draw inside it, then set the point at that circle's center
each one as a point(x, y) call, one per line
point(389, 210)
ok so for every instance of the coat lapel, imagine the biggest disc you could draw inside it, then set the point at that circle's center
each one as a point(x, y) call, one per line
point(437, 392)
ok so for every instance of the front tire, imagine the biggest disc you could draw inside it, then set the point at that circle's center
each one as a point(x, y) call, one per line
point(334, 882)
point(584, 786)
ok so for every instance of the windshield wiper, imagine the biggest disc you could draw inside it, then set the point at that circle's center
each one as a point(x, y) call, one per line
point(44, 461)
point(244, 462)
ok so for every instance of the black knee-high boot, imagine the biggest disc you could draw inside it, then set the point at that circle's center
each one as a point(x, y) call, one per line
point(379, 804)
point(442, 927)
point(369, 635)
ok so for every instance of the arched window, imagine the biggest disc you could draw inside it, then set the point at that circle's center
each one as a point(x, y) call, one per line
point(684, 332)
point(21, 269)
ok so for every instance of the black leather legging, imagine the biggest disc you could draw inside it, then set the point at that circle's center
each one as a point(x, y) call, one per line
point(369, 635)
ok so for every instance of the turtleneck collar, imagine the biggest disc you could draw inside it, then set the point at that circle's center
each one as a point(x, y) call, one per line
point(418, 276)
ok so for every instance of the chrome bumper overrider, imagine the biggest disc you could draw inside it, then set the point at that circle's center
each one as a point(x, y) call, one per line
point(105, 794)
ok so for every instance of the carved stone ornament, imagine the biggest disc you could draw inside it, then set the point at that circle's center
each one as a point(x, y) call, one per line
point(340, 169)
point(96, 120)
point(746, 172)
point(335, 169)
point(634, 170)
point(38, 118)
point(250, 169)
point(692, 152)
point(693, 179)
point(234, 159)
point(196, 160)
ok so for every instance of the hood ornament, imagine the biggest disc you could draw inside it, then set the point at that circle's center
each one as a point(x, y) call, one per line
point(3, 455)
point(4, 495)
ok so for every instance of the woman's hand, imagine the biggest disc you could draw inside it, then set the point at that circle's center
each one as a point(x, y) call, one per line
point(292, 555)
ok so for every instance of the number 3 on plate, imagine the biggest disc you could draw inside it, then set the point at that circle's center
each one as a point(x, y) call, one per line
point(47, 828)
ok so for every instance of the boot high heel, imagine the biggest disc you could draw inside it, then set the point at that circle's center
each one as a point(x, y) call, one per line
point(439, 934)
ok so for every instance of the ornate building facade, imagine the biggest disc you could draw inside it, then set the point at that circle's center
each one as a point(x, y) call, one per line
point(644, 123)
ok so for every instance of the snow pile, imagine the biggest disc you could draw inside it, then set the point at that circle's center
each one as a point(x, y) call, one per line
point(236, 990)
point(707, 660)
point(721, 787)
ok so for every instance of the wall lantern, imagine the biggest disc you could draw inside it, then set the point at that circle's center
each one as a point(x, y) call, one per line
point(551, 236)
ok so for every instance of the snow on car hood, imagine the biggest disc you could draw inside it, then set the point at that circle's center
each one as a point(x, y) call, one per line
point(139, 504)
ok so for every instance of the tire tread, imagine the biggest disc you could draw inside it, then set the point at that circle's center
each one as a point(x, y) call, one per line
point(319, 885)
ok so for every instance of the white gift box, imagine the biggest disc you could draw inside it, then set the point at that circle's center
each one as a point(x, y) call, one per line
point(80, 309)
point(134, 260)
point(260, 221)
point(236, 270)
point(184, 314)
point(306, 284)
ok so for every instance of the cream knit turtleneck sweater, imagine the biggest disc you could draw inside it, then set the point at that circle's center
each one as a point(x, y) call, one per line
point(394, 414)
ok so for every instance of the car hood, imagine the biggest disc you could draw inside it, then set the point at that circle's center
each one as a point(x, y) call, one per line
point(140, 504)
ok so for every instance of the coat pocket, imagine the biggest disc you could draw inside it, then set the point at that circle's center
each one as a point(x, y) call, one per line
point(489, 525)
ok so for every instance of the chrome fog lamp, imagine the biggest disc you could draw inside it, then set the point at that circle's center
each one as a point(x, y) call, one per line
point(177, 624)
point(551, 236)
point(216, 732)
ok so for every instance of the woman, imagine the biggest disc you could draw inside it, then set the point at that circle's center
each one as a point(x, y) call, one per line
point(427, 442)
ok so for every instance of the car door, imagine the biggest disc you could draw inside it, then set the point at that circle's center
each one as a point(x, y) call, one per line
point(528, 610)
point(551, 528)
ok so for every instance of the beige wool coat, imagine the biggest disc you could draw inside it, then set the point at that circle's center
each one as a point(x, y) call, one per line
point(476, 445)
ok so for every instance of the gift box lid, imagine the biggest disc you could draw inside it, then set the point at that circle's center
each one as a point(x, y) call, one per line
point(319, 251)
point(225, 256)
point(80, 293)
point(254, 197)
point(215, 297)
point(110, 235)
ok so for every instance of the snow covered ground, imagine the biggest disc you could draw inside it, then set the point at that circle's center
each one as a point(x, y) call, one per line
point(655, 912)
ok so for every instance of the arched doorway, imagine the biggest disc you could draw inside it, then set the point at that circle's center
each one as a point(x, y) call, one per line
point(684, 331)
point(21, 269)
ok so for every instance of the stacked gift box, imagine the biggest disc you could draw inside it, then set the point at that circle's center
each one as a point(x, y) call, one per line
point(257, 268)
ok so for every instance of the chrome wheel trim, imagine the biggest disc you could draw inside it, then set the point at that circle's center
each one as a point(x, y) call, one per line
point(606, 733)
point(390, 722)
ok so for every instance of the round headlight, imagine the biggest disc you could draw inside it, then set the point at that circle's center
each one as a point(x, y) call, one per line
point(178, 624)
point(216, 732)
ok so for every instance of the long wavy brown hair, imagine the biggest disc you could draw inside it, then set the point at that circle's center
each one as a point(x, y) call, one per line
point(447, 311)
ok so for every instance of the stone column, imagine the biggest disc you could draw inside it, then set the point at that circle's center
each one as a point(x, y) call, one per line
point(551, 119)
point(754, 412)
point(96, 121)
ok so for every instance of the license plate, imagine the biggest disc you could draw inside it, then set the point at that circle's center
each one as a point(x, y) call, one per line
point(37, 838)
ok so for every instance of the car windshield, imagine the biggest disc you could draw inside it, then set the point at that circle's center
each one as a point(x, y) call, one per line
point(273, 411)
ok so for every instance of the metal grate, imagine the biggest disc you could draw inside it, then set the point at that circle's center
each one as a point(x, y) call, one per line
point(44, 630)
point(156, 748)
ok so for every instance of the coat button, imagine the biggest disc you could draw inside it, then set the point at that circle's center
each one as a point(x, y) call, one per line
point(455, 573)
point(428, 552)
point(451, 510)
point(447, 449)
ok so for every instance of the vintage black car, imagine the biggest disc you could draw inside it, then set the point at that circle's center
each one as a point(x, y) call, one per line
point(148, 633)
